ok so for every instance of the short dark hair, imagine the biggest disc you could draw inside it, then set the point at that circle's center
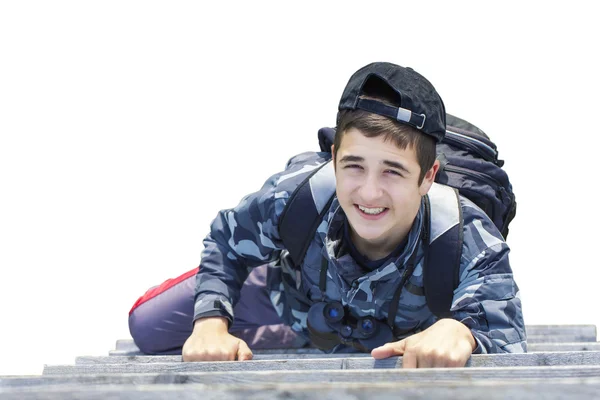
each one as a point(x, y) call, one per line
point(402, 135)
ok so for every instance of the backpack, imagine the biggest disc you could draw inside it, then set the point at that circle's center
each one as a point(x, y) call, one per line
point(468, 163)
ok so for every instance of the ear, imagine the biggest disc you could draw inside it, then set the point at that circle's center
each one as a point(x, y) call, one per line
point(333, 155)
point(429, 178)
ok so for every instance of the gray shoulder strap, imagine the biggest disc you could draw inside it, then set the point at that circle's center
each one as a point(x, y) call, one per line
point(442, 256)
point(445, 210)
point(305, 209)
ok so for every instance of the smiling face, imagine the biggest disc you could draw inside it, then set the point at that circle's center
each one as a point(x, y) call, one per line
point(377, 186)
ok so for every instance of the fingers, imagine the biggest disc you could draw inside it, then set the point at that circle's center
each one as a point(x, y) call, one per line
point(433, 358)
point(227, 348)
point(389, 350)
point(209, 354)
point(409, 360)
point(196, 348)
point(447, 343)
point(419, 353)
point(244, 352)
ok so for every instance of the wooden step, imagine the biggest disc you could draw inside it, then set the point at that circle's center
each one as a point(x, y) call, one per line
point(584, 331)
point(573, 346)
point(559, 338)
point(149, 364)
point(553, 369)
point(574, 388)
point(168, 359)
point(313, 376)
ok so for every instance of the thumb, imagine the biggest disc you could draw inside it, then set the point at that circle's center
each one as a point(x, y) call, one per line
point(389, 350)
point(244, 352)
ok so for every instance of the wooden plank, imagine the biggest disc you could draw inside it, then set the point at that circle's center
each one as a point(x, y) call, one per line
point(559, 339)
point(264, 365)
point(126, 344)
point(314, 376)
point(493, 360)
point(490, 390)
point(574, 346)
point(477, 360)
point(125, 353)
point(562, 330)
point(168, 359)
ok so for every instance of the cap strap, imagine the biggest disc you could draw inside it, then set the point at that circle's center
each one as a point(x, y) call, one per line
point(397, 113)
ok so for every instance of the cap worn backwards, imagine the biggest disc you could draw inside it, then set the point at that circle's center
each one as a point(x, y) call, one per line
point(420, 104)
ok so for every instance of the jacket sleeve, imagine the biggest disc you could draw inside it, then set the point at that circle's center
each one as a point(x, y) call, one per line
point(242, 238)
point(487, 299)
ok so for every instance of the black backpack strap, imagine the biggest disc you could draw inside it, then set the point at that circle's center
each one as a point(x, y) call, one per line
point(442, 257)
point(305, 210)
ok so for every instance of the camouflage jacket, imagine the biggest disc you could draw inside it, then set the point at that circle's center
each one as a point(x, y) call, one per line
point(487, 299)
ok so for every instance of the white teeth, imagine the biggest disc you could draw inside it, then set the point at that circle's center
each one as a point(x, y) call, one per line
point(372, 211)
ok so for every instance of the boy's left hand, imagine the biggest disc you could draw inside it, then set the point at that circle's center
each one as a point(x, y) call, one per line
point(447, 343)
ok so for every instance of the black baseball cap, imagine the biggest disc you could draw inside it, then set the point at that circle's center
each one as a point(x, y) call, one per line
point(420, 104)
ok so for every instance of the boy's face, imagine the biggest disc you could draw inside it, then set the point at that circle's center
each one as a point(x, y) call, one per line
point(377, 187)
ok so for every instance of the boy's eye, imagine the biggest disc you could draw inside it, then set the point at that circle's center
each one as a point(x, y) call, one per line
point(352, 166)
point(393, 172)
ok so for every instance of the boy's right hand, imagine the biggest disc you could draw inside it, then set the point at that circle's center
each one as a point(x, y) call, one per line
point(210, 341)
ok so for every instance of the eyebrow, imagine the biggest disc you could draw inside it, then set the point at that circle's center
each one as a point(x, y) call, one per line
point(396, 165)
point(393, 164)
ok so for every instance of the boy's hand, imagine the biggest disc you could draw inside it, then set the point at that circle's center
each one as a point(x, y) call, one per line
point(210, 341)
point(447, 343)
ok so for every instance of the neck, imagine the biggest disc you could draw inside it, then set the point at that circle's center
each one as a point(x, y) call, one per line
point(376, 250)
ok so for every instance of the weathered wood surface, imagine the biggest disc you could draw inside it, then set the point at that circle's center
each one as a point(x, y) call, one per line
point(559, 339)
point(558, 348)
point(168, 359)
point(143, 364)
point(490, 390)
point(314, 376)
point(588, 331)
point(573, 346)
point(265, 365)
point(125, 353)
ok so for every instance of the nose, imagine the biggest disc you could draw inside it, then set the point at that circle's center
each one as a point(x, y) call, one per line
point(370, 190)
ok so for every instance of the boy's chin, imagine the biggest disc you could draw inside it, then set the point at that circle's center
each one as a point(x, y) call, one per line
point(370, 235)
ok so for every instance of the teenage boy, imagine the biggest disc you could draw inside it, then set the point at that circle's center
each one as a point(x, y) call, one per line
point(359, 286)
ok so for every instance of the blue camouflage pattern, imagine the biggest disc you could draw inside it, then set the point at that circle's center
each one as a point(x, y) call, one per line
point(486, 300)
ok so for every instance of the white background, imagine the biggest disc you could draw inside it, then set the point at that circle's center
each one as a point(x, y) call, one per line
point(126, 125)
